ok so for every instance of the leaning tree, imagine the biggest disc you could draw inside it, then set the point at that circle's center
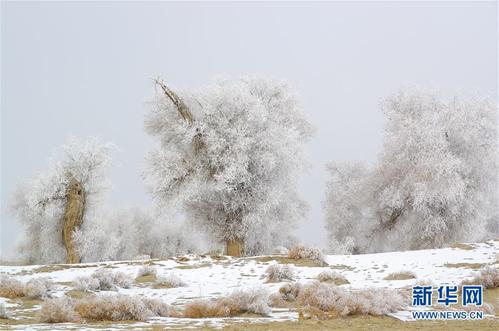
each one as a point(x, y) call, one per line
point(230, 155)
point(53, 205)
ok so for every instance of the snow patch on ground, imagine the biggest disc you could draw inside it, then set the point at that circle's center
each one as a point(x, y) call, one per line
point(212, 277)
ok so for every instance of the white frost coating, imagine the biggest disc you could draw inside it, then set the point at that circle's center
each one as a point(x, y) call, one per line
point(234, 169)
point(105, 234)
point(435, 181)
point(103, 280)
point(130, 232)
point(39, 203)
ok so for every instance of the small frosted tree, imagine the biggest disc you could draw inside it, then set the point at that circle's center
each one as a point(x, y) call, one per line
point(53, 205)
point(435, 181)
point(230, 154)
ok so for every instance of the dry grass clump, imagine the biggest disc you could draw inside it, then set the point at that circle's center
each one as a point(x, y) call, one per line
point(104, 308)
point(35, 288)
point(332, 277)
point(3, 312)
point(159, 308)
point(290, 291)
point(103, 280)
point(301, 252)
point(239, 302)
point(287, 293)
point(10, 287)
point(59, 310)
point(337, 301)
point(278, 272)
point(487, 277)
point(401, 275)
point(38, 288)
point(169, 281)
point(147, 270)
point(112, 308)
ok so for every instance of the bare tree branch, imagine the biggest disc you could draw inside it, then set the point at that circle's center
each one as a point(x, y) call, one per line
point(177, 101)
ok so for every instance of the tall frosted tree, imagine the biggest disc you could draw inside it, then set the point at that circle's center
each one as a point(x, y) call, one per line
point(53, 205)
point(230, 155)
point(435, 181)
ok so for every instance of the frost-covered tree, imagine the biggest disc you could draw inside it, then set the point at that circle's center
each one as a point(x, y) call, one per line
point(230, 154)
point(54, 204)
point(348, 206)
point(435, 181)
point(131, 233)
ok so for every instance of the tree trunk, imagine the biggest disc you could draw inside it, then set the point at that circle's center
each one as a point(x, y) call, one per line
point(234, 247)
point(73, 218)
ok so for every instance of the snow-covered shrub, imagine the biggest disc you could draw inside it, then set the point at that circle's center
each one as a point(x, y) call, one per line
point(10, 287)
point(302, 252)
point(487, 277)
point(342, 301)
point(239, 302)
point(104, 308)
point(103, 280)
point(251, 301)
point(203, 309)
point(160, 308)
point(230, 155)
point(278, 272)
point(40, 202)
point(35, 288)
point(332, 277)
point(435, 181)
point(147, 270)
point(319, 295)
point(290, 291)
point(38, 287)
point(169, 281)
point(86, 283)
point(3, 311)
point(58, 310)
point(112, 308)
point(121, 279)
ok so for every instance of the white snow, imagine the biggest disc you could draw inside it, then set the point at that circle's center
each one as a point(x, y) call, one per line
point(207, 277)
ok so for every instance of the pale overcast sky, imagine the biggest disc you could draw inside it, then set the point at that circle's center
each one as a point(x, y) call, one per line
point(86, 68)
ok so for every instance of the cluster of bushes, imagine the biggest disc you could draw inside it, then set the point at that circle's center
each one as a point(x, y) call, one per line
point(239, 302)
point(103, 308)
point(103, 280)
point(328, 301)
point(118, 307)
point(279, 272)
point(35, 288)
point(487, 277)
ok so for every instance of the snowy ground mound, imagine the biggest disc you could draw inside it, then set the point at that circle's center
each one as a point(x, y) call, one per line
point(216, 276)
